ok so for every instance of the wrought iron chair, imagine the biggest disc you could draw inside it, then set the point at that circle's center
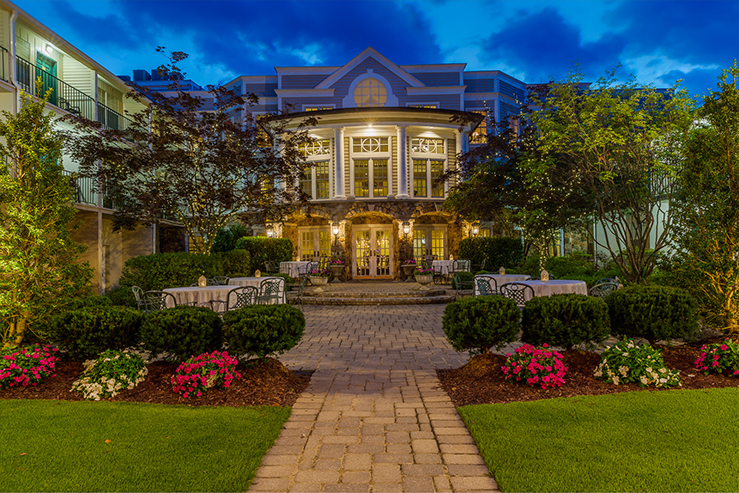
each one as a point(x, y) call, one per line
point(271, 267)
point(478, 268)
point(603, 289)
point(486, 286)
point(157, 300)
point(299, 289)
point(518, 292)
point(461, 265)
point(218, 281)
point(271, 289)
point(461, 286)
point(241, 296)
point(138, 293)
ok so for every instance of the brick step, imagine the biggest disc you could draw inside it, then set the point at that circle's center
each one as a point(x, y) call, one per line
point(328, 293)
point(398, 300)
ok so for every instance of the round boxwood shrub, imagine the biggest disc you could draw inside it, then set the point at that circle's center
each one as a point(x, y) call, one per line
point(653, 312)
point(565, 320)
point(480, 323)
point(86, 332)
point(182, 331)
point(260, 330)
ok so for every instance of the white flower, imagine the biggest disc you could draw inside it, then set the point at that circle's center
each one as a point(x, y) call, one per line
point(644, 380)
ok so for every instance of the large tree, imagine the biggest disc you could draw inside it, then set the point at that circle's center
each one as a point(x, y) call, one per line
point(200, 161)
point(622, 144)
point(707, 205)
point(40, 267)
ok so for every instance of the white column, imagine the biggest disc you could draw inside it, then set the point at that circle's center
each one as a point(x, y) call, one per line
point(339, 163)
point(402, 165)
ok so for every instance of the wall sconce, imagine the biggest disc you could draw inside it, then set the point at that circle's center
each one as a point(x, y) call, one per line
point(406, 229)
point(48, 49)
point(270, 232)
point(475, 229)
point(335, 231)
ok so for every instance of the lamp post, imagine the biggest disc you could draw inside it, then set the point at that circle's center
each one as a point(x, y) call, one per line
point(270, 232)
point(475, 229)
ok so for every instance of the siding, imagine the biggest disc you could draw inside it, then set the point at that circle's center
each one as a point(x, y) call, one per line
point(77, 75)
point(437, 78)
point(451, 156)
point(480, 85)
point(303, 81)
point(394, 165)
point(511, 90)
point(266, 90)
point(299, 102)
point(446, 101)
point(347, 161)
point(397, 85)
point(506, 110)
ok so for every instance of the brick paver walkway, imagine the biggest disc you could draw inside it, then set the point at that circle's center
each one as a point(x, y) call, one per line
point(374, 418)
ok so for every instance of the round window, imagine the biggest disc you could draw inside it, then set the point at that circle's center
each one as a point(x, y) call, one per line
point(370, 92)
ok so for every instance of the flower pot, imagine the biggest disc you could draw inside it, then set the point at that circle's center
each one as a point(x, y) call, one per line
point(408, 269)
point(424, 278)
point(337, 270)
point(318, 281)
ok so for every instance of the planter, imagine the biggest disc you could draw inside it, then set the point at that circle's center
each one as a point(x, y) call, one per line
point(425, 279)
point(408, 269)
point(337, 270)
point(318, 281)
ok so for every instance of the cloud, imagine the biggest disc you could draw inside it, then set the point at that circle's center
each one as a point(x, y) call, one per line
point(109, 29)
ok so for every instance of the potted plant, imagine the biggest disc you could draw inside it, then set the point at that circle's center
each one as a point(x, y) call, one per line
point(319, 277)
point(408, 267)
point(424, 275)
point(336, 265)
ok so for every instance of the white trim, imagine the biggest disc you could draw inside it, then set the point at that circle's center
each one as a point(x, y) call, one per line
point(418, 91)
point(369, 52)
point(306, 93)
point(306, 70)
point(349, 102)
point(410, 105)
point(436, 67)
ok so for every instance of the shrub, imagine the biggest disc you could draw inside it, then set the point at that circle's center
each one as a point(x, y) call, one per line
point(227, 237)
point(182, 331)
point(464, 277)
point(480, 323)
point(565, 320)
point(199, 373)
point(89, 302)
point(236, 262)
point(21, 367)
point(720, 357)
point(110, 373)
point(653, 312)
point(499, 251)
point(576, 266)
point(261, 330)
point(86, 332)
point(262, 249)
point(536, 366)
point(626, 362)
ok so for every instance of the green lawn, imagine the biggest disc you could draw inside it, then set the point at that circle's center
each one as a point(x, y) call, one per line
point(61, 446)
point(681, 440)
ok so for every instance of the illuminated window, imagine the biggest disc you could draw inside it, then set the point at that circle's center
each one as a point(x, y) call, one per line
point(370, 92)
point(370, 144)
point(361, 177)
point(306, 184)
point(316, 147)
point(379, 177)
point(322, 183)
point(429, 105)
point(480, 135)
point(437, 169)
point(419, 177)
point(318, 108)
point(431, 146)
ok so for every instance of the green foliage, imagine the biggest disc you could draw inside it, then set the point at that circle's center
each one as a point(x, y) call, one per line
point(199, 373)
point(227, 237)
point(499, 251)
point(464, 277)
point(625, 362)
point(575, 266)
point(537, 366)
point(261, 330)
point(89, 302)
point(236, 261)
point(719, 357)
point(262, 249)
point(182, 331)
point(565, 320)
point(112, 372)
point(86, 332)
point(480, 323)
point(653, 312)
point(40, 267)
point(26, 366)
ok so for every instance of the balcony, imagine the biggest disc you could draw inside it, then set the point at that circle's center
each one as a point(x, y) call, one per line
point(83, 188)
point(63, 95)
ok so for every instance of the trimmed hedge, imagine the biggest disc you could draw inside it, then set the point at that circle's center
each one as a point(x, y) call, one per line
point(499, 251)
point(262, 249)
point(480, 323)
point(183, 331)
point(463, 277)
point(565, 320)
point(653, 312)
point(86, 332)
point(260, 330)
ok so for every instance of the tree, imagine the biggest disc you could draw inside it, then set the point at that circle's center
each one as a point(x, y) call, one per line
point(39, 262)
point(202, 162)
point(510, 180)
point(622, 146)
point(707, 205)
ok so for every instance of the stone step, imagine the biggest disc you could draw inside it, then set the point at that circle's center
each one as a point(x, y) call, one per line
point(328, 293)
point(398, 300)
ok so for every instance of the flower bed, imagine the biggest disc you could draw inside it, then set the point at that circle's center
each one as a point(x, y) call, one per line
point(27, 366)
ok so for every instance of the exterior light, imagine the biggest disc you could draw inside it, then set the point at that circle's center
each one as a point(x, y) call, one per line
point(335, 229)
point(475, 229)
point(406, 228)
point(48, 48)
point(270, 232)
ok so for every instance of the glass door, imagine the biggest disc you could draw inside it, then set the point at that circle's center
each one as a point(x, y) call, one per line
point(429, 241)
point(315, 243)
point(373, 253)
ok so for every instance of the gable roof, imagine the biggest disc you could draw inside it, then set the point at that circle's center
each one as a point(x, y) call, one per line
point(370, 52)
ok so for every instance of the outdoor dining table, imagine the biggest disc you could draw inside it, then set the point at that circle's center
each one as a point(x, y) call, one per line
point(254, 281)
point(442, 266)
point(558, 286)
point(294, 268)
point(200, 296)
point(502, 279)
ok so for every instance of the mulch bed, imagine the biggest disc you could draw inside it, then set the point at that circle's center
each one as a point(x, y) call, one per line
point(266, 384)
point(482, 382)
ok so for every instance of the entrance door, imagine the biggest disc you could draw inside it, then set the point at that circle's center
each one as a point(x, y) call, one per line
point(429, 241)
point(373, 252)
point(46, 69)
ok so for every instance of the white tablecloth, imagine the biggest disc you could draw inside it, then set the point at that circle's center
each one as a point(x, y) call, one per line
point(200, 295)
point(254, 281)
point(294, 269)
point(555, 287)
point(443, 266)
point(500, 280)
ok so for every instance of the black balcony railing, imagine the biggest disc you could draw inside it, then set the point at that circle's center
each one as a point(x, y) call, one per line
point(64, 96)
point(83, 188)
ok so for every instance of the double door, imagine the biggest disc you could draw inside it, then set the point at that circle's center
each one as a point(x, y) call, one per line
point(373, 252)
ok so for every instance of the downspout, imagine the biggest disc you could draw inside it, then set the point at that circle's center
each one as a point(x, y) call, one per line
point(12, 62)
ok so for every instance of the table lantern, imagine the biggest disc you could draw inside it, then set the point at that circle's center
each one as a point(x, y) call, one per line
point(501, 271)
point(257, 273)
point(544, 276)
point(202, 282)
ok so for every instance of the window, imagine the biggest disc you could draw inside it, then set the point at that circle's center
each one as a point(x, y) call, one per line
point(370, 144)
point(480, 135)
point(422, 105)
point(370, 92)
point(426, 174)
point(318, 174)
point(361, 178)
point(419, 177)
point(318, 108)
point(315, 148)
point(315, 242)
point(437, 169)
point(433, 146)
point(379, 177)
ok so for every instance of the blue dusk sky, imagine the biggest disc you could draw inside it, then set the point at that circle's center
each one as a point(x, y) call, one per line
point(658, 41)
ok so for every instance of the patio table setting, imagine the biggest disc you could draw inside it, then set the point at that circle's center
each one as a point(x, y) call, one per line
point(294, 268)
point(502, 279)
point(201, 296)
point(558, 286)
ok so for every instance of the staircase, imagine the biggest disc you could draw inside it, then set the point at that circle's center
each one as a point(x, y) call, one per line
point(375, 293)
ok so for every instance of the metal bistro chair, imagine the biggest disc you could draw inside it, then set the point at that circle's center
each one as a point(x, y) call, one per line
point(486, 286)
point(138, 293)
point(241, 296)
point(157, 300)
point(272, 267)
point(299, 289)
point(517, 292)
point(461, 286)
point(218, 281)
point(603, 289)
point(272, 289)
